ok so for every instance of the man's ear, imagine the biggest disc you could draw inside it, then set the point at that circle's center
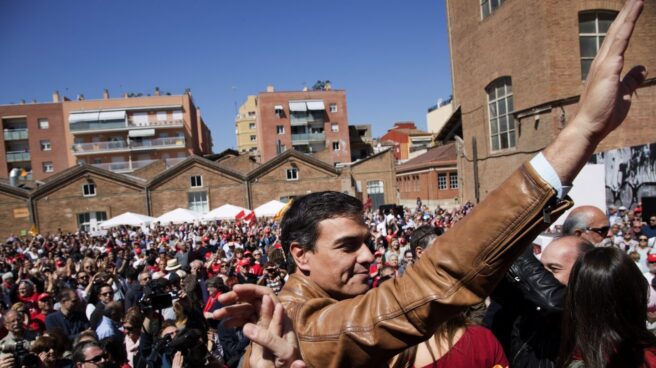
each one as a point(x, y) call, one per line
point(300, 256)
point(578, 232)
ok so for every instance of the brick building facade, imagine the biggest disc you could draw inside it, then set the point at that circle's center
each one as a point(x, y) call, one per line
point(433, 177)
point(515, 94)
point(119, 134)
point(307, 121)
point(84, 195)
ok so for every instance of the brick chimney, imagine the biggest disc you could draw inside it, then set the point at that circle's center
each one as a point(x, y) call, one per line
point(270, 88)
point(55, 97)
point(157, 92)
point(106, 94)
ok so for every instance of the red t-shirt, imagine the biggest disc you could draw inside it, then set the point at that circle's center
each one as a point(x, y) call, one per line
point(477, 348)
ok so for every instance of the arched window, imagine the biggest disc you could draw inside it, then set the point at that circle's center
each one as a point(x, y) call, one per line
point(500, 108)
point(593, 26)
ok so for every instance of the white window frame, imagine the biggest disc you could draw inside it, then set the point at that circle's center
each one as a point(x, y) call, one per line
point(89, 190)
point(198, 201)
point(253, 138)
point(280, 129)
point(292, 174)
point(45, 145)
point(598, 34)
point(453, 181)
point(442, 183)
point(333, 107)
point(488, 7)
point(48, 167)
point(251, 126)
point(196, 181)
point(335, 146)
point(162, 116)
point(334, 127)
point(44, 123)
point(178, 115)
point(500, 108)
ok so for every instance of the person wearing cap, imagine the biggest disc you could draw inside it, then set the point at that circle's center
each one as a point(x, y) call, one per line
point(172, 265)
point(244, 272)
point(38, 317)
point(644, 250)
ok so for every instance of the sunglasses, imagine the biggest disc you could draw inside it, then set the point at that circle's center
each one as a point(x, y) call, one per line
point(643, 239)
point(108, 293)
point(97, 358)
point(603, 231)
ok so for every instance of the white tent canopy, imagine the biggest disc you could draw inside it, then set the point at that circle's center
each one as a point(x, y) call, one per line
point(269, 209)
point(225, 212)
point(127, 219)
point(178, 216)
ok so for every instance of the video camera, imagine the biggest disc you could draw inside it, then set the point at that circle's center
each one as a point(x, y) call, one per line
point(20, 350)
point(156, 296)
point(188, 342)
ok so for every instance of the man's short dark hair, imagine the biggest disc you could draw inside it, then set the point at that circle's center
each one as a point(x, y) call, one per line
point(78, 352)
point(301, 221)
point(423, 236)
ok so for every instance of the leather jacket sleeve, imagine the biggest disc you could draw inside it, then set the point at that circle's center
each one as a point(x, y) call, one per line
point(536, 284)
point(458, 270)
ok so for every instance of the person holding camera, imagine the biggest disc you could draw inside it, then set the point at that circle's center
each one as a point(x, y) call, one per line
point(273, 277)
point(15, 346)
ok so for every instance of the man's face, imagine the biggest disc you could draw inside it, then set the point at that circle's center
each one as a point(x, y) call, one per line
point(45, 305)
point(106, 295)
point(652, 221)
point(72, 302)
point(94, 357)
point(14, 323)
point(559, 258)
point(652, 267)
point(340, 261)
point(597, 229)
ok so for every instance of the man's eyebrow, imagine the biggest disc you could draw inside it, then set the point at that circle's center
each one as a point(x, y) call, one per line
point(350, 239)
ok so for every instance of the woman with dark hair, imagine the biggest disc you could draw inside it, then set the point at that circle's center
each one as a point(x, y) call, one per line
point(605, 313)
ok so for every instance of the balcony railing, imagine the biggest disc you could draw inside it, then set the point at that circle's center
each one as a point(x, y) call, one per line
point(15, 134)
point(124, 166)
point(89, 126)
point(100, 147)
point(129, 166)
point(158, 143)
point(18, 156)
point(301, 118)
point(156, 124)
point(117, 146)
point(308, 137)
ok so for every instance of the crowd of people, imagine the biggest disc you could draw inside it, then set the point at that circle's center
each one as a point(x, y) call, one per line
point(131, 291)
point(136, 297)
point(334, 285)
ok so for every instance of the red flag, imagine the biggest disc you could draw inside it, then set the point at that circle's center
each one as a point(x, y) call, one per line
point(240, 215)
point(250, 218)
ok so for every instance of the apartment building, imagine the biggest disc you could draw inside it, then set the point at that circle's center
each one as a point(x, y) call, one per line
point(409, 141)
point(314, 122)
point(515, 94)
point(118, 134)
point(245, 126)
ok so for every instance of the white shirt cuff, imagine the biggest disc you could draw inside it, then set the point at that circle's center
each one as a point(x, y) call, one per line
point(547, 172)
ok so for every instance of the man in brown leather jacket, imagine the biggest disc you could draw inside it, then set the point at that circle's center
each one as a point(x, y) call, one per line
point(339, 322)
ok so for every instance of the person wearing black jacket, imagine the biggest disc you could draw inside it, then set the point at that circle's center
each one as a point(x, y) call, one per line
point(234, 343)
point(527, 305)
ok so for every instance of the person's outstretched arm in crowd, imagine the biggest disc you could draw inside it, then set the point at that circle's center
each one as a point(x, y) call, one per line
point(368, 329)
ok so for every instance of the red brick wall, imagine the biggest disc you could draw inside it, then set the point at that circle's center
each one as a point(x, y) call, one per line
point(221, 189)
point(544, 64)
point(55, 133)
point(267, 121)
point(59, 208)
point(14, 216)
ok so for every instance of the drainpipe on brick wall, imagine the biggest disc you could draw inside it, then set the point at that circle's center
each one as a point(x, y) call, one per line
point(248, 194)
point(148, 203)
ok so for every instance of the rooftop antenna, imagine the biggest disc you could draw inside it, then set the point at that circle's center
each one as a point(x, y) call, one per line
point(234, 99)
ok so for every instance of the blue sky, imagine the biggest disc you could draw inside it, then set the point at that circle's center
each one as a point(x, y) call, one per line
point(391, 57)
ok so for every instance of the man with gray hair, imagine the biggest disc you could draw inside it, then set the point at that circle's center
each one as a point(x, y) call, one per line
point(590, 223)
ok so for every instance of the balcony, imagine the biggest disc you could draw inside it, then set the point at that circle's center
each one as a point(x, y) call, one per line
point(130, 166)
point(304, 118)
point(18, 156)
point(100, 147)
point(97, 127)
point(15, 134)
point(122, 146)
point(308, 137)
point(157, 143)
